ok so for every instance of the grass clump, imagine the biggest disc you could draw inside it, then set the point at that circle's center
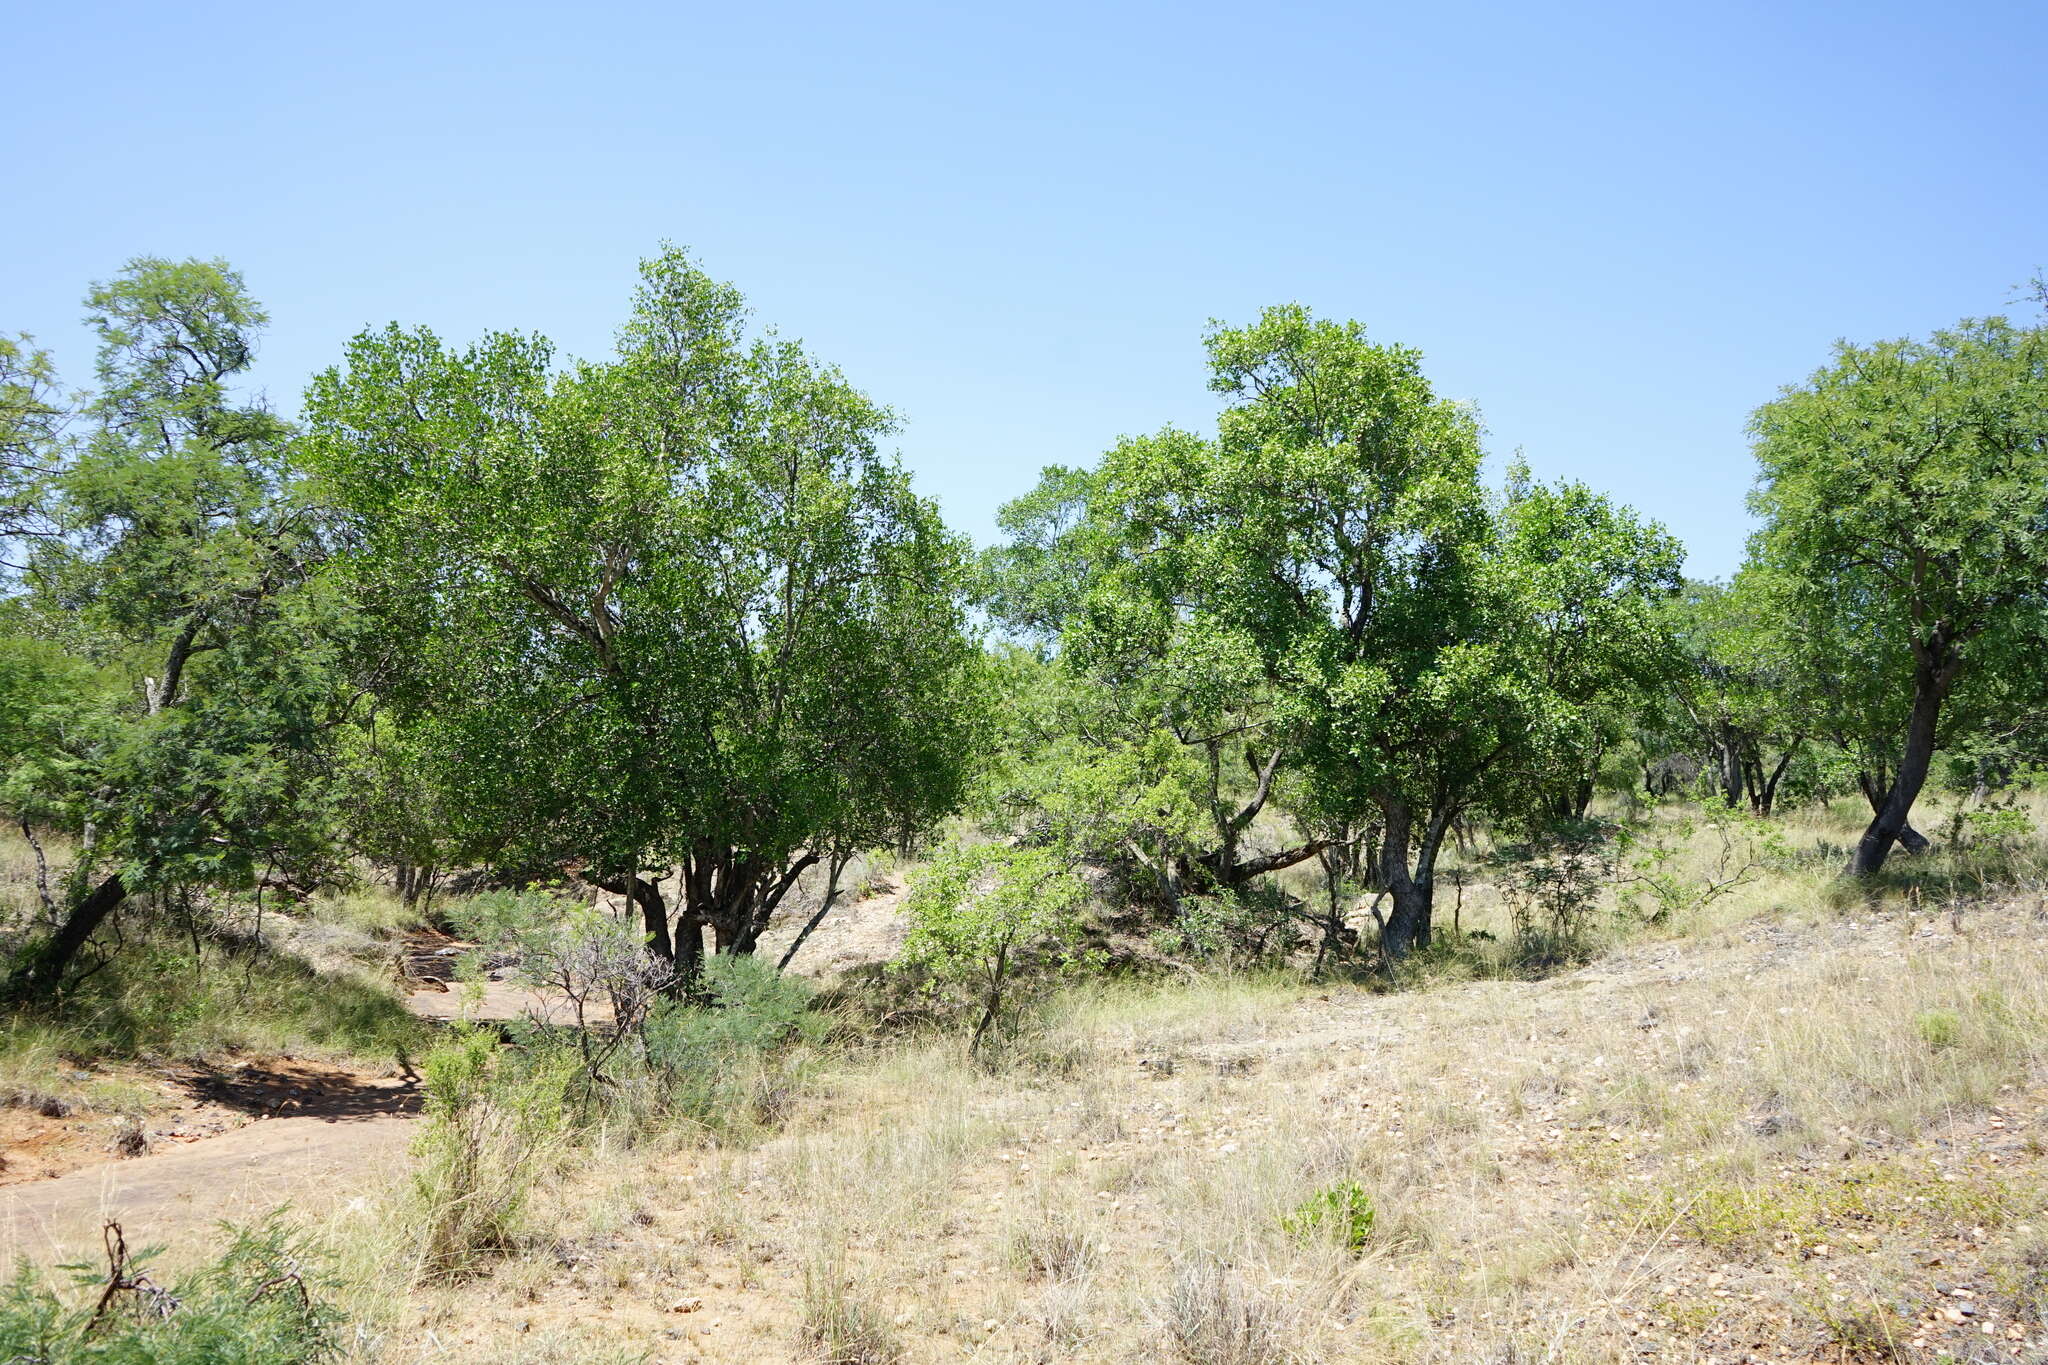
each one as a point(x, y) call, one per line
point(496, 1120)
point(1213, 1318)
point(839, 1326)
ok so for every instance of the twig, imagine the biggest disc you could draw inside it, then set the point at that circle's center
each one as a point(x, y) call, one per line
point(119, 1281)
point(42, 867)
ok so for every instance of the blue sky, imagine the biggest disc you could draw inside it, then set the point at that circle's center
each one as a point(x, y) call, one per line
point(1615, 228)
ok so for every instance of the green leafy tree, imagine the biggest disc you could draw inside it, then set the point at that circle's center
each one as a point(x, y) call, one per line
point(976, 910)
point(1740, 693)
point(1904, 495)
point(1326, 582)
point(179, 572)
point(670, 611)
point(33, 425)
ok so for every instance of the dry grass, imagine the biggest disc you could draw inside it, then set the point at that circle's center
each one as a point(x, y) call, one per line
point(1774, 1126)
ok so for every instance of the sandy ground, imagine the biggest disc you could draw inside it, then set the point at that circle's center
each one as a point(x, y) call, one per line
point(238, 1142)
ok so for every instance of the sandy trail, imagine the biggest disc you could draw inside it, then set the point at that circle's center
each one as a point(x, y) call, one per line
point(314, 1137)
point(310, 1163)
point(318, 1145)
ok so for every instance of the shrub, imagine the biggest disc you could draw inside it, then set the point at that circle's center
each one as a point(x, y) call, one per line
point(262, 1303)
point(493, 1119)
point(1553, 883)
point(1235, 929)
point(708, 1062)
point(1939, 1029)
point(975, 910)
point(1343, 1214)
point(1055, 1247)
point(1671, 872)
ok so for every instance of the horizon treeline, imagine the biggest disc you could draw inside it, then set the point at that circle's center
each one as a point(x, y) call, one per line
point(675, 622)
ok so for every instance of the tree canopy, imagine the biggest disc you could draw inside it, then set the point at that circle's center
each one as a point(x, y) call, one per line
point(1326, 587)
point(674, 609)
point(1904, 494)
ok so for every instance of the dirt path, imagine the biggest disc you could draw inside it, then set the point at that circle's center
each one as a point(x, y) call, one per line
point(239, 1142)
point(310, 1163)
point(244, 1140)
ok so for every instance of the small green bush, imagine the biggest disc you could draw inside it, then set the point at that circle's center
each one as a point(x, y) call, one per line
point(264, 1302)
point(709, 1062)
point(1939, 1029)
point(1343, 1213)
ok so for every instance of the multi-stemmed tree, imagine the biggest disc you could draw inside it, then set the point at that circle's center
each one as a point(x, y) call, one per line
point(670, 611)
point(1323, 597)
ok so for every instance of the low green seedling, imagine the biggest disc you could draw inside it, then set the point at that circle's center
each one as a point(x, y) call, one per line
point(1342, 1213)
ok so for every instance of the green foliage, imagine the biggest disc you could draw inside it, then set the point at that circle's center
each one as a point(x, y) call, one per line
point(1322, 602)
point(1231, 929)
point(394, 810)
point(264, 1302)
point(713, 1064)
point(1737, 704)
point(1342, 1214)
point(975, 910)
point(520, 922)
point(171, 676)
point(1904, 545)
point(672, 608)
point(1939, 1029)
point(33, 418)
point(1553, 883)
point(494, 1125)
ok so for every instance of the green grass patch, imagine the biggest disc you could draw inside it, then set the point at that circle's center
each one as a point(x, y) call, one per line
point(1813, 1210)
point(156, 996)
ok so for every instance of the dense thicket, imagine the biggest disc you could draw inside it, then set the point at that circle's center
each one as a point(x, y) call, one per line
point(674, 610)
point(674, 622)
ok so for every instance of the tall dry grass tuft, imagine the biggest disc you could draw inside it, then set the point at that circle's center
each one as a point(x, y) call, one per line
point(493, 1131)
point(1212, 1317)
point(841, 1326)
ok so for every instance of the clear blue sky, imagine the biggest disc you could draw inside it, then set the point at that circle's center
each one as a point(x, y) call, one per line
point(1617, 228)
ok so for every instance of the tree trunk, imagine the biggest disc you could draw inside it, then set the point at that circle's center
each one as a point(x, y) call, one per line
point(42, 970)
point(839, 862)
point(1730, 757)
point(1765, 797)
point(1212, 871)
point(636, 890)
point(1407, 928)
point(689, 951)
point(653, 916)
point(1875, 791)
point(1890, 824)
